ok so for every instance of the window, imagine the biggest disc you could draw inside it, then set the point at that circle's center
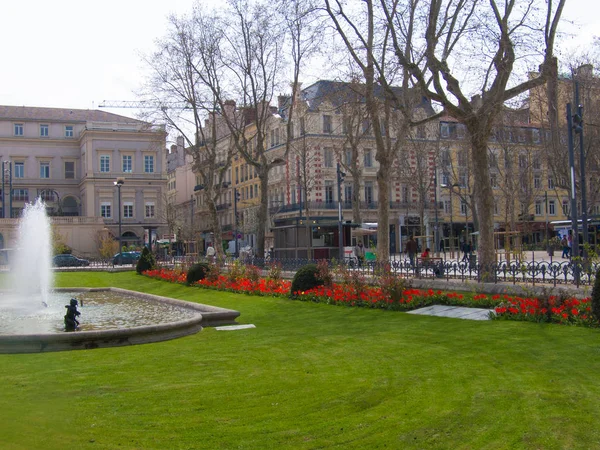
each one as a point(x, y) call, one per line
point(565, 207)
point(537, 182)
point(18, 129)
point(522, 161)
point(69, 131)
point(536, 163)
point(535, 135)
point(538, 207)
point(550, 183)
point(494, 181)
point(493, 159)
point(463, 207)
point(150, 212)
point(127, 163)
point(460, 131)
point(69, 170)
point(237, 175)
point(368, 158)
point(348, 155)
point(302, 126)
point(105, 210)
point(421, 132)
point(44, 169)
point(44, 130)
point(20, 195)
point(551, 208)
point(366, 126)
point(149, 164)
point(369, 192)
point(19, 170)
point(445, 179)
point(328, 191)
point(104, 163)
point(348, 193)
point(327, 128)
point(496, 209)
point(328, 157)
point(462, 158)
point(128, 210)
point(444, 130)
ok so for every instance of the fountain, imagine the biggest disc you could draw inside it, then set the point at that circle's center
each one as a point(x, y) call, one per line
point(32, 315)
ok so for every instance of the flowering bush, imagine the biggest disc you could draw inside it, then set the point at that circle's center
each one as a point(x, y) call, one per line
point(571, 311)
point(393, 295)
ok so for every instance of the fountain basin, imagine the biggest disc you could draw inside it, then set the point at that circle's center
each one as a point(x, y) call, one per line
point(198, 316)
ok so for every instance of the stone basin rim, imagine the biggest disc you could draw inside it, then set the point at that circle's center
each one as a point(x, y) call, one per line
point(206, 315)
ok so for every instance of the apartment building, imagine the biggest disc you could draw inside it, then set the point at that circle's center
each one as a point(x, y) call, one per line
point(71, 159)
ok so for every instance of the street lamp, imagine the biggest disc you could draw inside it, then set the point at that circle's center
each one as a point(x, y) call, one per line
point(451, 188)
point(118, 183)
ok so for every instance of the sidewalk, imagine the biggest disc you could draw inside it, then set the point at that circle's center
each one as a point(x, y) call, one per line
point(455, 312)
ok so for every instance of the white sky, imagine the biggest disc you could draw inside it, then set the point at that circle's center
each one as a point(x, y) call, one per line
point(75, 54)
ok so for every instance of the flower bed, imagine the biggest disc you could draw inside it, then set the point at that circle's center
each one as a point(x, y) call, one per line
point(568, 311)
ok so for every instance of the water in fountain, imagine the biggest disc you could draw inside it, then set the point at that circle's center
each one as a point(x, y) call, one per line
point(31, 271)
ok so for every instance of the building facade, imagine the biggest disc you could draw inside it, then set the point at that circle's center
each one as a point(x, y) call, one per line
point(71, 159)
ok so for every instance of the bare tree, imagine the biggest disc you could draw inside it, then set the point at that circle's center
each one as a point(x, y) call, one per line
point(430, 37)
point(179, 86)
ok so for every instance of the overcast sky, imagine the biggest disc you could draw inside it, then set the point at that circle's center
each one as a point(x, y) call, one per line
point(75, 54)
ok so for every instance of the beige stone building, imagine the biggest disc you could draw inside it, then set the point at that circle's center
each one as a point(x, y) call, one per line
point(71, 159)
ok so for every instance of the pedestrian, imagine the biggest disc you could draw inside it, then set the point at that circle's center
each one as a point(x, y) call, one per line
point(467, 251)
point(411, 250)
point(570, 241)
point(210, 253)
point(360, 253)
point(565, 247)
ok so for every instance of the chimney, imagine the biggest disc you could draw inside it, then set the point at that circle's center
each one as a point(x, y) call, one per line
point(476, 101)
point(298, 95)
point(281, 101)
point(585, 71)
point(229, 108)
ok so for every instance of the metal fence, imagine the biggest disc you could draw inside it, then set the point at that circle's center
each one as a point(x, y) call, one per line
point(534, 272)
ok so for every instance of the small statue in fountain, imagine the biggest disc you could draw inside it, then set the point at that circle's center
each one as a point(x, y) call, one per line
point(71, 321)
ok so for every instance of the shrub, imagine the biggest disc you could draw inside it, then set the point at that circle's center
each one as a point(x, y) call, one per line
point(197, 272)
point(274, 269)
point(305, 279)
point(596, 296)
point(146, 261)
point(392, 285)
point(253, 273)
point(236, 270)
point(214, 271)
point(324, 273)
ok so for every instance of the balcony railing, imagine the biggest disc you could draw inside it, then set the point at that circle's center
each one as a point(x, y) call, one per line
point(317, 206)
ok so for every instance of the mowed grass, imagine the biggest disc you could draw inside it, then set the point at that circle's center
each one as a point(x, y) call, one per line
point(310, 376)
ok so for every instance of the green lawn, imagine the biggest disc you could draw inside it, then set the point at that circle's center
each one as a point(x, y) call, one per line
point(310, 376)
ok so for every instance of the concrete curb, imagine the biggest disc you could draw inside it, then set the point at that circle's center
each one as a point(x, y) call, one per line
point(206, 315)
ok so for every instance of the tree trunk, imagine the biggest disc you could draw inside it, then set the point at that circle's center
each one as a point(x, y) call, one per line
point(484, 197)
point(383, 221)
point(263, 173)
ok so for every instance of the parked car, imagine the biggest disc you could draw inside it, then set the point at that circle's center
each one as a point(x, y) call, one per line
point(126, 258)
point(69, 261)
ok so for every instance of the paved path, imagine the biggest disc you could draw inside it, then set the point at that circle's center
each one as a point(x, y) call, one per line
point(456, 312)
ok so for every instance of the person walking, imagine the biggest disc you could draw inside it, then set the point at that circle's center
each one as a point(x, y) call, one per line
point(360, 253)
point(565, 247)
point(411, 250)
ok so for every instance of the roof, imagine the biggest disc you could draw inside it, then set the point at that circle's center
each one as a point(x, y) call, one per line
point(35, 113)
point(338, 93)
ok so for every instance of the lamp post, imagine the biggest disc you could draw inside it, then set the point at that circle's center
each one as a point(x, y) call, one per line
point(340, 180)
point(451, 188)
point(118, 183)
point(6, 175)
point(436, 242)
